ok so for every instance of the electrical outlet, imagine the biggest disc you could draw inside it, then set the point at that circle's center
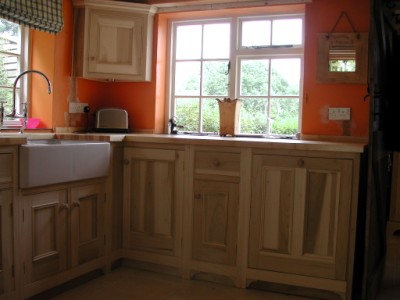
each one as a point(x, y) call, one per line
point(339, 113)
point(77, 107)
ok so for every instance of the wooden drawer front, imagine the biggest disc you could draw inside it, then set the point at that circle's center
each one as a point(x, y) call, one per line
point(6, 162)
point(219, 163)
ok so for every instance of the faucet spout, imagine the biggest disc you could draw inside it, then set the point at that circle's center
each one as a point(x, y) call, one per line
point(24, 115)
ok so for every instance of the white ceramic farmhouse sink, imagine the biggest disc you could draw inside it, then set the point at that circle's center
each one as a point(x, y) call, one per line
point(50, 161)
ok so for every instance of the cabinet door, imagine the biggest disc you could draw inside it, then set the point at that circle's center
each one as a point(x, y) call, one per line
point(215, 219)
point(87, 223)
point(6, 242)
point(116, 43)
point(45, 229)
point(152, 193)
point(6, 169)
point(300, 212)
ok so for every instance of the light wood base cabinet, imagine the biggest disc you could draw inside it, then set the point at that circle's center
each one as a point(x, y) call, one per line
point(215, 217)
point(152, 203)
point(7, 229)
point(300, 220)
point(213, 211)
point(62, 230)
point(244, 215)
point(6, 244)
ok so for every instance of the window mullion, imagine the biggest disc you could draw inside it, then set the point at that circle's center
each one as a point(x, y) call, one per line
point(269, 96)
point(233, 76)
point(201, 81)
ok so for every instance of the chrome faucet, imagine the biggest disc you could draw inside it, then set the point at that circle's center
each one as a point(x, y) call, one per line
point(24, 115)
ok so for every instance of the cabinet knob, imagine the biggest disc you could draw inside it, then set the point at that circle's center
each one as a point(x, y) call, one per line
point(62, 206)
point(76, 204)
point(300, 162)
point(198, 196)
point(92, 58)
point(216, 163)
point(125, 161)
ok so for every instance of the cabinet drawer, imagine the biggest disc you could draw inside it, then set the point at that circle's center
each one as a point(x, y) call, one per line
point(223, 163)
point(6, 162)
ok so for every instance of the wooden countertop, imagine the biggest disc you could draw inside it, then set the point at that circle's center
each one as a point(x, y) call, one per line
point(265, 143)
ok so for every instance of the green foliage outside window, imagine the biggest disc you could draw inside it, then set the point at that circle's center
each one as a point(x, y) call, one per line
point(8, 62)
point(284, 112)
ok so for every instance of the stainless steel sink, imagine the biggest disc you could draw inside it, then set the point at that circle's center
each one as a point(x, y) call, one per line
point(50, 161)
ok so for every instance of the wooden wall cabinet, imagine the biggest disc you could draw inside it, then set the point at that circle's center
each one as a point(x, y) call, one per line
point(152, 201)
point(113, 40)
point(62, 229)
point(7, 179)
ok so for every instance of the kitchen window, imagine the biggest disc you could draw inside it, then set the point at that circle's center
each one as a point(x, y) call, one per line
point(258, 60)
point(13, 59)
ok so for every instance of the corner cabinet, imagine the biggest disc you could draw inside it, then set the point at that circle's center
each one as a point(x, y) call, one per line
point(113, 40)
point(153, 193)
point(302, 219)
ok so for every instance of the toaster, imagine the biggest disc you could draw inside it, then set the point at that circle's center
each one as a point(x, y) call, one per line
point(112, 120)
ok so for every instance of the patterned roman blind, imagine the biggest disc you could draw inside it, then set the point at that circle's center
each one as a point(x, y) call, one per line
point(44, 15)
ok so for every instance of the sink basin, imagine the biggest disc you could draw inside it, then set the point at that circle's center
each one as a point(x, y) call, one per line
point(50, 161)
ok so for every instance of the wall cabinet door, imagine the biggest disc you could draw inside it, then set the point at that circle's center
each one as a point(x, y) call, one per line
point(113, 42)
point(215, 220)
point(45, 234)
point(300, 215)
point(152, 198)
point(6, 243)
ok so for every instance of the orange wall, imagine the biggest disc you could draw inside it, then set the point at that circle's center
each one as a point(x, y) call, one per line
point(145, 100)
point(42, 59)
point(321, 16)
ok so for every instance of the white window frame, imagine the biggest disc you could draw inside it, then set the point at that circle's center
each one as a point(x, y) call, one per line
point(238, 52)
point(22, 90)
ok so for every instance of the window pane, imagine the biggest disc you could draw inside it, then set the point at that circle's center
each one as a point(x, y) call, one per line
point(284, 116)
point(254, 77)
point(9, 37)
point(187, 78)
point(6, 95)
point(216, 41)
point(253, 116)
point(10, 43)
point(287, 32)
point(285, 79)
point(215, 78)
point(188, 42)
point(256, 33)
point(187, 113)
point(210, 115)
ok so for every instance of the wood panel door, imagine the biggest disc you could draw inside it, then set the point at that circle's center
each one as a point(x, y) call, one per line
point(6, 243)
point(87, 223)
point(300, 215)
point(215, 220)
point(45, 226)
point(152, 199)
